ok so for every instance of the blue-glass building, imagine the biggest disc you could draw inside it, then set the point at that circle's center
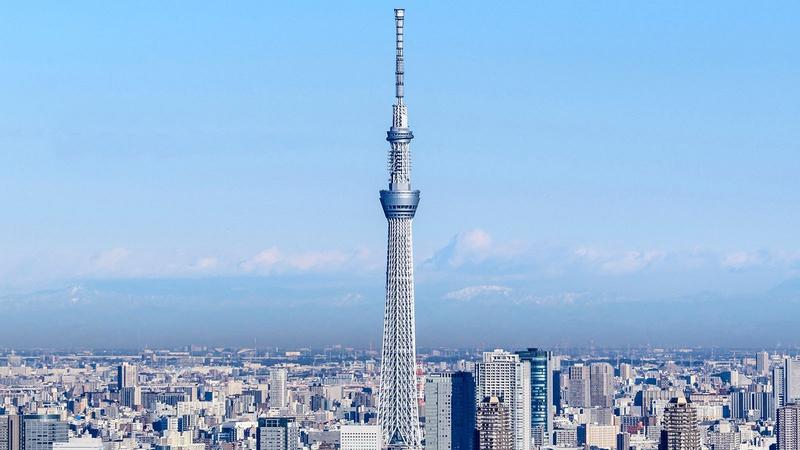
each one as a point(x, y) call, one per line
point(541, 364)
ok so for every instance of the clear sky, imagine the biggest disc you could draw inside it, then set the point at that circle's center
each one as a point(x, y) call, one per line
point(581, 164)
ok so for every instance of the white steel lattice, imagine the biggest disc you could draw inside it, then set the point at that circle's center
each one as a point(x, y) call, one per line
point(398, 392)
point(400, 164)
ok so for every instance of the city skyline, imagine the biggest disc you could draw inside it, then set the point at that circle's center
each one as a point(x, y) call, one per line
point(622, 173)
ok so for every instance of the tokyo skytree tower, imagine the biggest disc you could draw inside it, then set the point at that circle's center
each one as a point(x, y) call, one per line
point(397, 410)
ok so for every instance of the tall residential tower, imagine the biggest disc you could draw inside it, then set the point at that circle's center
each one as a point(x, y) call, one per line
point(397, 412)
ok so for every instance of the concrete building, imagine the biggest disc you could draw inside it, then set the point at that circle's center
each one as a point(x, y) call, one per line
point(751, 406)
point(450, 411)
point(762, 363)
point(127, 376)
point(788, 427)
point(626, 372)
point(680, 424)
point(9, 432)
point(578, 391)
point(791, 379)
point(40, 431)
point(360, 437)
point(494, 425)
point(177, 440)
point(599, 436)
point(130, 396)
point(277, 433)
point(565, 437)
point(503, 375)
point(601, 385)
point(278, 395)
point(779, 385)
point(723, 435)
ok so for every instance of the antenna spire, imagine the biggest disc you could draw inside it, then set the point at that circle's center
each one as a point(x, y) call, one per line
point(399, 15)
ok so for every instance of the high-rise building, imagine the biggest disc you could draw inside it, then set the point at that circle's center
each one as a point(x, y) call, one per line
point(680, 423)
point(558, 387)
point(277, 433)
point(398, 411)
point(788, 427)
point(601, 385)
point(130, 396)
point(360, 437)
point(493, 425)
point(278, 395)
point(791, 379)
point(578, 390)
point(779, 385)
point(127, 376)
point(541, 366)
point(625, 371)
point(9, 432)
point(4, 435)
point(752, 406)
point(762, 363)
point(503, 375)
point(449, 411)
point(39, 431)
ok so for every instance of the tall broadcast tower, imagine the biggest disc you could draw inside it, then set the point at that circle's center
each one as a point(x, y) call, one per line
point(397, 411)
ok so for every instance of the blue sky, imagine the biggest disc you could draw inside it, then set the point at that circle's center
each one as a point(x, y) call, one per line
point(569, 155)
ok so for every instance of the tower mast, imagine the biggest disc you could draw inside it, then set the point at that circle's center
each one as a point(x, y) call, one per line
point(397, 410)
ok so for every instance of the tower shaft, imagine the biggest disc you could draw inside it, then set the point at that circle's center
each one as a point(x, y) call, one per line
point(397, 411)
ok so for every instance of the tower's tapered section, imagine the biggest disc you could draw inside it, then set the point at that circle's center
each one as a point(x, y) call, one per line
point(397, 413)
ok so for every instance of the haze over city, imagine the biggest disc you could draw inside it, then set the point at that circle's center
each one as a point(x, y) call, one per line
point(590, 173)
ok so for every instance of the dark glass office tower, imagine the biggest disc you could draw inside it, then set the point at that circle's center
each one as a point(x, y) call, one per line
point(541, 362)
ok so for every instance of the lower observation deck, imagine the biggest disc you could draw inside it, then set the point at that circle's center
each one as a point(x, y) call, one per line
point(399, 204)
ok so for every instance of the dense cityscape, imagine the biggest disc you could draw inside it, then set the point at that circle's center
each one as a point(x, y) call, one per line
point(199, 398)
point(399, 397)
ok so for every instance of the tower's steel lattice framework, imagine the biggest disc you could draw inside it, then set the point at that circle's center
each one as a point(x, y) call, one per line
point(397, 413)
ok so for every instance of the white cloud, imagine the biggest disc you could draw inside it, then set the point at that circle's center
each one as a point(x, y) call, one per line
point(265, 260)
point(470, 292)
point(565, 298)
point(505, 294)
point(630, 262)
point(274, 260)
point(110, 260)
point(739, 260)
point(317, 260)
point(743, 259)
point(206, 263)
point(617, 262)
